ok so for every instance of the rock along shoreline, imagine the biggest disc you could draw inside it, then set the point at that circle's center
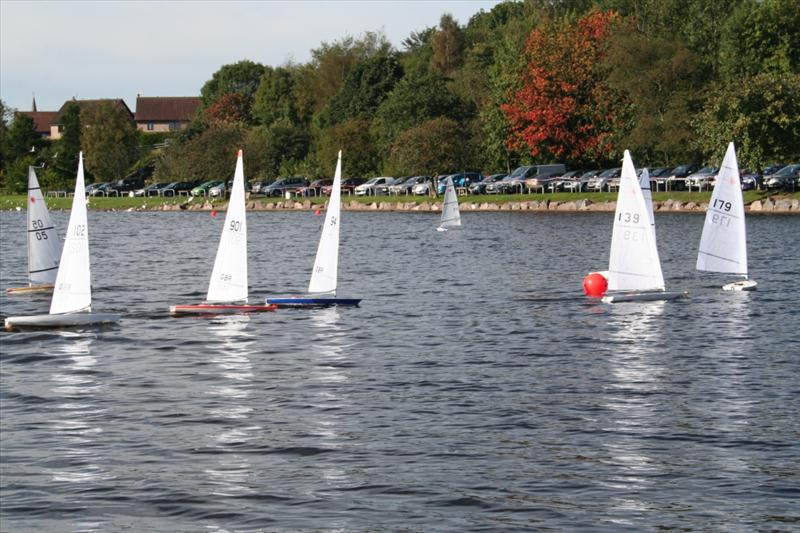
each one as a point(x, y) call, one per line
point(767, 205)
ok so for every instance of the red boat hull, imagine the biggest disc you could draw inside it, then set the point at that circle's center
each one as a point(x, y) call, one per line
point(212, 309)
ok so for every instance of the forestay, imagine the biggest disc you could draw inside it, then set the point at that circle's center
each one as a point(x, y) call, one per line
point(229, 275)
point(326, 264)
point(633, 264)
point(73, 289)
point(44, 247)
point(451, 217)
point(723, 245)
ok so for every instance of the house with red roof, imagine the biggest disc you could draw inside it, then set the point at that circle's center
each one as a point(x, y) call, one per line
point(165, 113)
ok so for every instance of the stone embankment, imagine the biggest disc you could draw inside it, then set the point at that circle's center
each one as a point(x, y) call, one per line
point(767, 205)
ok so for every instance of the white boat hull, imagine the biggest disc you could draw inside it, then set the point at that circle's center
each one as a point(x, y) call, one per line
point(649, 296)
point(65, 320)
point(742, 285)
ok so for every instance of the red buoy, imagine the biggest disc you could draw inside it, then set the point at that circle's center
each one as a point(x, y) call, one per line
point(213, 213)
point(595, 285)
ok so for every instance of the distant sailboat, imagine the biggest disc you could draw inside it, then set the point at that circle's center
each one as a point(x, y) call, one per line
point(644, 183)
point(44, 248)
point(227, 288)
point(723, 245)
point(72, 295)
point(323, 283)
point(451, 217)
point(634, 268)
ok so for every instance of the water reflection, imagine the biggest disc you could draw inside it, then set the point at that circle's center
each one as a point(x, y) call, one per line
point(633, 403)
point(329, 372)
point(229, 396)
point(74, 417)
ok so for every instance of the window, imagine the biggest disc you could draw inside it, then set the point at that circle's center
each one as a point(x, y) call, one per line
point(149, 126)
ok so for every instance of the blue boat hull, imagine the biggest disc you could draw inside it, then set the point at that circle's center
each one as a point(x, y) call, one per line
point(312, 302)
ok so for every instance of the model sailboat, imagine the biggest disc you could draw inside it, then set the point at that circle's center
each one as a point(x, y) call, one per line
point(634, 268)
point(322, 287)
point(723, 245)
point(227, 289)
point(44, 248)
point(451, 217)
point(72, 295)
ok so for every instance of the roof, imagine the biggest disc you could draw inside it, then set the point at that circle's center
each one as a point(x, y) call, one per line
point(166, 108)
point(119, 102)
point(41, 119)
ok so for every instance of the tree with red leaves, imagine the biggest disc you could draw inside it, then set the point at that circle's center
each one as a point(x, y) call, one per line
point(229, 108)
point(564, 109)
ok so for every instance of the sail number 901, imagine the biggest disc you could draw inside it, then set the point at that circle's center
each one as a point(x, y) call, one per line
point(235, 225)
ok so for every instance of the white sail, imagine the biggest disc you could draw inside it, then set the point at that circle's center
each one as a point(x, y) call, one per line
point(73, 290)
point(644, 183)
point(633, 263)
point(44, 248)
point(451, 217)
point(229, 275)
point(326, 264)
point(723, 245)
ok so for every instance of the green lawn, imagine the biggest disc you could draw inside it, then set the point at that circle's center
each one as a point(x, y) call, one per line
point(125, 202)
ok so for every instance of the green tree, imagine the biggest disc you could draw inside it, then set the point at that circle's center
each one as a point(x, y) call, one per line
point(662, 81)
point(447, 46)
point(323, 77)
point(240, 78)
point(65, 164)
point(433, 147)
point(228, 108)
point(108, 140)
point(761, 36)
point(5, 117)
point(273, 148)
point(275, 98)
point(415, 99)
point(367, 85)
point(360, 157)
point(210, 155)
point(22, 137)
point(760, 115)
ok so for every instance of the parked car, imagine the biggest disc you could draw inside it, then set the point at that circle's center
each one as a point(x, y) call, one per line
point(480, 186)
point(348, 186)
point(423, 188)
point(374, 186)
point(659, 172)
point(104, 189)
point(258, 186)
point(676, 179)
point(407, 185)
point(129, 184)
point(177, 187)
point(703, 178)
point(92, 186)
point(314, 188)
point(153, 189)
point(785, 178)
point(281, 186)
point(202, 189)
point(542, 181)
point(600, 181)
point(578, 182)
point(224, 189)
point(515, 182)
point(460, 180)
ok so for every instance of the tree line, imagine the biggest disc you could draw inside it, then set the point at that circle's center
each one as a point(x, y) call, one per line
point(535, 81)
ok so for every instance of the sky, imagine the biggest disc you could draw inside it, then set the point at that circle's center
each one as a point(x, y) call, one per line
point(118, 49)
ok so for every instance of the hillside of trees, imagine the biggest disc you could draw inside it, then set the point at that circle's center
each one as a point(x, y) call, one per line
point(537, 81)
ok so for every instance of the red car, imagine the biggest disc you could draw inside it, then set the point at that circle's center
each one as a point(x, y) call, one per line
point(348, 185)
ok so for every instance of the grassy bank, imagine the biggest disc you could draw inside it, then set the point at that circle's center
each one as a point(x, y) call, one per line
point(125, 202)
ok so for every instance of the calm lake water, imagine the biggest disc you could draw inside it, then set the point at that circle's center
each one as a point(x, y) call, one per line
point(475, 389)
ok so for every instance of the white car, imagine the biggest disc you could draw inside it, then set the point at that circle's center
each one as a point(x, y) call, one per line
point(375, 186)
